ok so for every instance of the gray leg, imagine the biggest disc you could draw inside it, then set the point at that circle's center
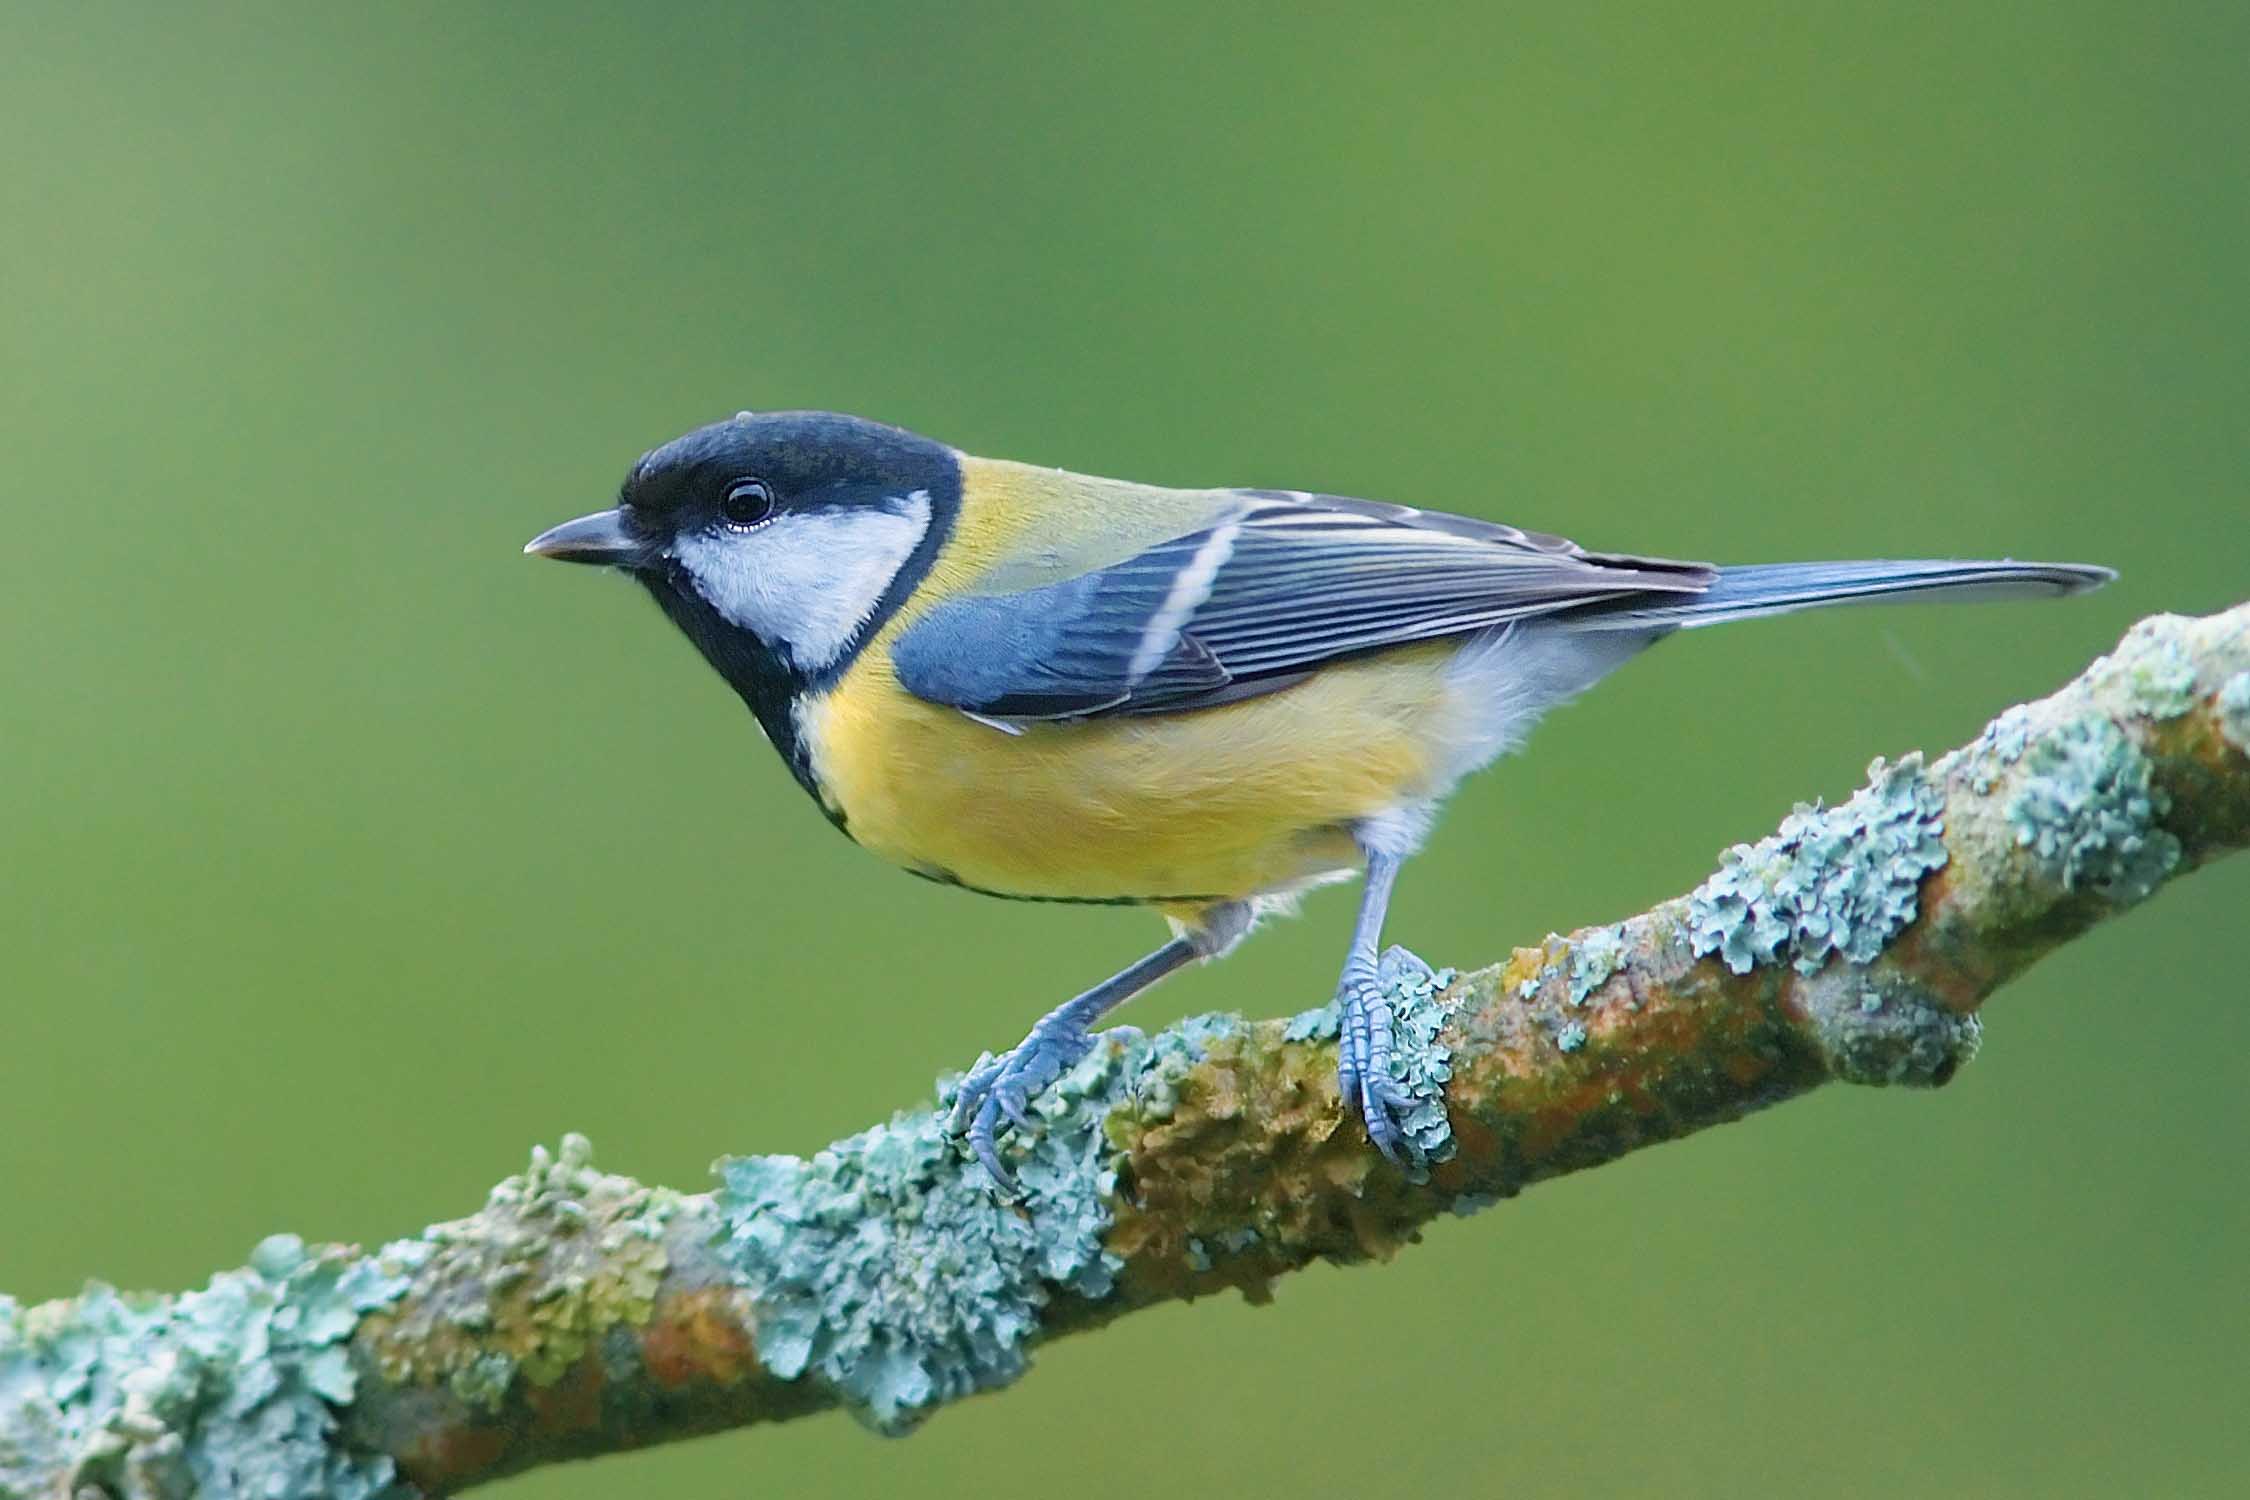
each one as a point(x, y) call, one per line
point(1363, 1066)
point(999, 1090)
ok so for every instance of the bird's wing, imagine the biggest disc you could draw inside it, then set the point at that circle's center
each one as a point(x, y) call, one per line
point(1276, 584)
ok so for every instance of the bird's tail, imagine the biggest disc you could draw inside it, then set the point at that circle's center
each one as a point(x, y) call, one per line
point(1745, 592)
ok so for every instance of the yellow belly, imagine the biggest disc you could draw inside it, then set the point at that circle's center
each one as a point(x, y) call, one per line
point(1220, 803)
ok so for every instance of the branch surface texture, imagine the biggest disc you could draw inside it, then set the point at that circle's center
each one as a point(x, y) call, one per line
point(580, 1313)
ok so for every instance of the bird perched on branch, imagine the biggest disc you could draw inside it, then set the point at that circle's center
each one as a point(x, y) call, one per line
point(1047, 686)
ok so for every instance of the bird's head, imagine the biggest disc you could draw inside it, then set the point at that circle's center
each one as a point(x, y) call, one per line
point(778, 542)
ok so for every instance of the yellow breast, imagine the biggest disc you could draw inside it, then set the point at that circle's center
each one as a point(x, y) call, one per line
point(1219, 803)
point(1225, 802)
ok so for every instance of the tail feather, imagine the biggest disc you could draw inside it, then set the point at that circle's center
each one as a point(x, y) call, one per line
point(1748, 591)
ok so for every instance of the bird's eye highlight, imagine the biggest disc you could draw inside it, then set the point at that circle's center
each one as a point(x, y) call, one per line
point(747, 502)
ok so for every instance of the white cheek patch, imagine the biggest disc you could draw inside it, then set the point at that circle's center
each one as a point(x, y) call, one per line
point(805, 583)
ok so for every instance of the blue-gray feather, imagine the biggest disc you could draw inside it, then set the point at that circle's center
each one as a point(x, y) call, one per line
point(1286, 582)
point(1746, 591)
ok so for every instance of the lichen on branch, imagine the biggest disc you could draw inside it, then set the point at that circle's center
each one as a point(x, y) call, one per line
point(579, 1312)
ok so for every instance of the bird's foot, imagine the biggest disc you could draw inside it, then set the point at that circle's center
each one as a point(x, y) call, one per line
point(998, 1091)
point(1366, 1044)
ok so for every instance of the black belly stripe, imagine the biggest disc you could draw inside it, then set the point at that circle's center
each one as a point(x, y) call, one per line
point(947, 877)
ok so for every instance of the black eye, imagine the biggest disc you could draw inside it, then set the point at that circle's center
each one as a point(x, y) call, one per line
point(748, 502)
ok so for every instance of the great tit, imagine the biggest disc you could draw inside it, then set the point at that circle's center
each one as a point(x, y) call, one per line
point(1046, 686)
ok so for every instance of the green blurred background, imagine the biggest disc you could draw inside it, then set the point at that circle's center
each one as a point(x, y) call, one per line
point(344, 852)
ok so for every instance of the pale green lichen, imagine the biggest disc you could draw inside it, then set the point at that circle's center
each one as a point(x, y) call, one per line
point(1593, 959)
point(1570, 1036)
point(2086, 810)
point(2233, 707)
point(521, 1292)
point(1832, 881)
point(2151, 671)
point(2000, 746)
point(227, 1393)
point(1163, 1061)
point(887, 1266)
point(1421, 1065)
point(482, 1382)
point(1881, 1030)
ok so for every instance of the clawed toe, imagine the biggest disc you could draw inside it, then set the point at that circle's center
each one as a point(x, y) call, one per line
point(997, 1093)
point(1381, 1104)
point(971, 1092)
point(1013, 1100)
point(1398, 959)
point(1365, 1050)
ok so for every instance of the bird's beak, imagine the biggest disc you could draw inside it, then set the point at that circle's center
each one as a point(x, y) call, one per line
point(600, 538)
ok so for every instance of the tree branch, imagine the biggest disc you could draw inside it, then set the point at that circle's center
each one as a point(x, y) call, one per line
point(579, 1312)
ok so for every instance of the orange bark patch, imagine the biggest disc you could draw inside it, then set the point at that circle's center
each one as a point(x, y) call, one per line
point(699, 1336)
point(445, 1454)
point(573, 1403)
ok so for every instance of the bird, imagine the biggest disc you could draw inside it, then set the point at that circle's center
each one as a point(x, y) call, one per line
point(1047, 686)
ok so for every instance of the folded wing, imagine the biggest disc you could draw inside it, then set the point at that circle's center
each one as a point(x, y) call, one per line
point(1275, 586)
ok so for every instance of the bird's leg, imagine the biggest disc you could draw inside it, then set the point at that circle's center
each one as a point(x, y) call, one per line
point(999, 1090)
point(1364, 1041)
